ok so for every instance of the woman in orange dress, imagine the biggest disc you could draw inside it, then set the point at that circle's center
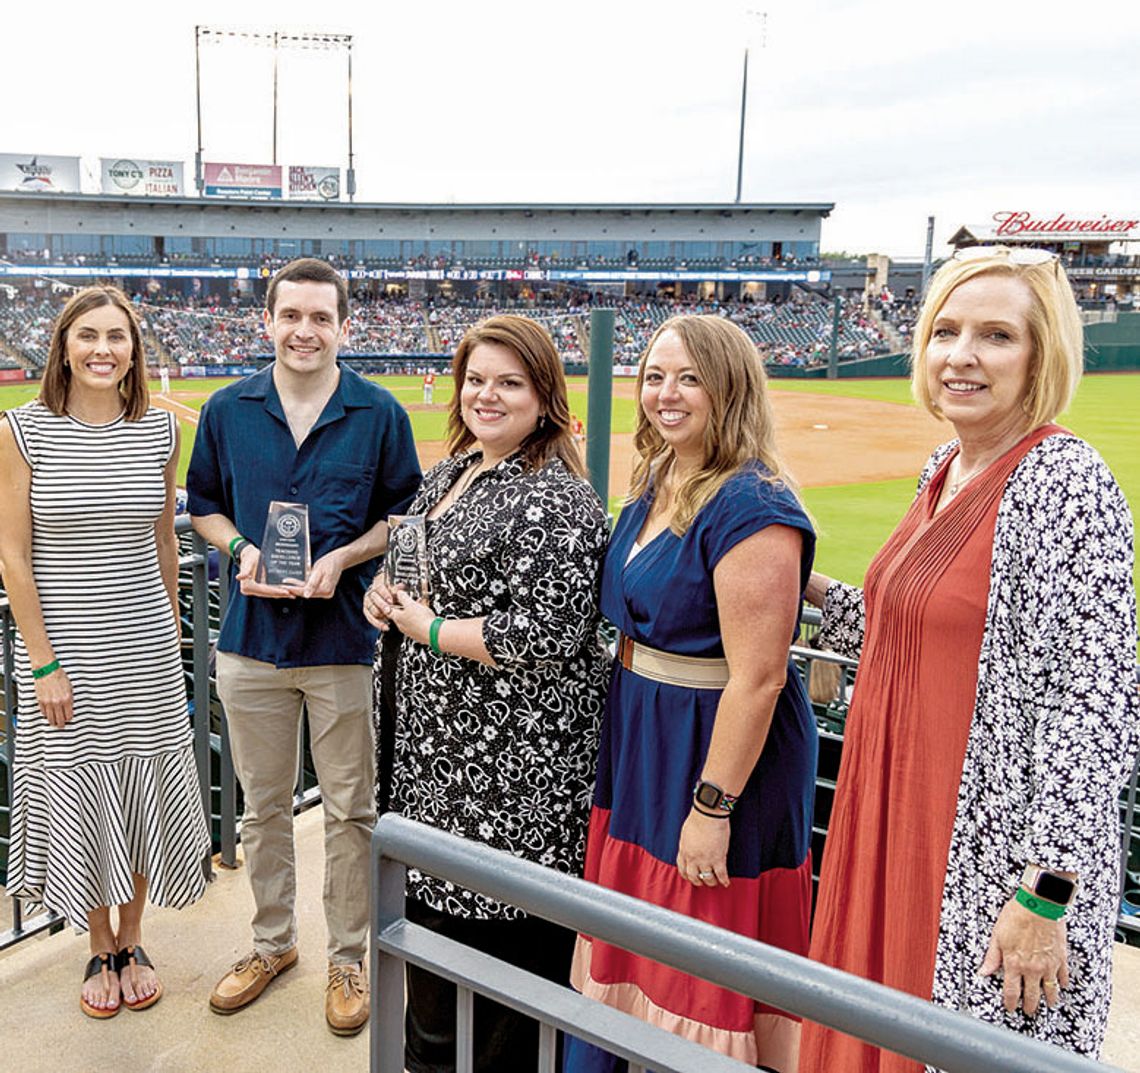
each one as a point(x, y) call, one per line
point(973, 852)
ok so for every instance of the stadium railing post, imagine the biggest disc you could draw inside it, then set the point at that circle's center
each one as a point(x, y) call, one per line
point(200, 616)
point(599, 401)
point(833, 351)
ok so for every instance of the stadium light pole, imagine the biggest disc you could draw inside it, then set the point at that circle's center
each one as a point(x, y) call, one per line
point(276, 39)
point(744, 99)
point(350, 177)
point(928, 255)
point(199, 181)
point(276, 53)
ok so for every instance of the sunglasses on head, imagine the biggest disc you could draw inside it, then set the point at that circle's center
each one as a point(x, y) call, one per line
point(1016, 255)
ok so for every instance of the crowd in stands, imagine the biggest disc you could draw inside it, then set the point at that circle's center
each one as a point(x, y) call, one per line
point(269, 263)
point(796, 332)
point(202, 333)
point(25, 324)
point(212, 331)
point(900, 311)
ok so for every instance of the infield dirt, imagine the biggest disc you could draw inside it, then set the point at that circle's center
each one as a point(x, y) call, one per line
point(824, 440)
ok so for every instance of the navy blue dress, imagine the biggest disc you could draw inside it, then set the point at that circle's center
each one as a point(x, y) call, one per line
point(654, 740)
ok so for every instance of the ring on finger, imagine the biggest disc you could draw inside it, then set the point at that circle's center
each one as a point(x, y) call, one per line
point(705, 875)
point(1050, 984)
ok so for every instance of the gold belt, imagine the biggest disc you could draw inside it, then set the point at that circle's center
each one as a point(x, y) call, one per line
point(695, 672)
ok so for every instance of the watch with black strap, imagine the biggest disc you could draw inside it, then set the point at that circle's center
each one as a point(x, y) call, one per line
point(712, 800)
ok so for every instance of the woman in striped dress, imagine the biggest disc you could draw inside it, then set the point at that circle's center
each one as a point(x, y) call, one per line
point(106, 807)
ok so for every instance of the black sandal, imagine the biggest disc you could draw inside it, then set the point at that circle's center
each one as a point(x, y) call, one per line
point(99, 963)
point(137, 955)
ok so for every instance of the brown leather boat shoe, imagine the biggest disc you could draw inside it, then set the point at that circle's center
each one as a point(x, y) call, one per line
point(248, 978)
point(346, 999)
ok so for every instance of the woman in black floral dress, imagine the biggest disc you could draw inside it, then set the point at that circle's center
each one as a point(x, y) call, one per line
point(501, 675)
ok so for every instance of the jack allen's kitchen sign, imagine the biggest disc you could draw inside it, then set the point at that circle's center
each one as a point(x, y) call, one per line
point(1023, 224)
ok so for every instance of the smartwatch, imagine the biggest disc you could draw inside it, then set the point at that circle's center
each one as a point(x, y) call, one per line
point(710, 796)
point(1048, 885)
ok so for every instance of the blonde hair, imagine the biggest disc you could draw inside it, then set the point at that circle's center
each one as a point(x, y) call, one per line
point(740, 427)
point(57, 373)
point(1054, 327)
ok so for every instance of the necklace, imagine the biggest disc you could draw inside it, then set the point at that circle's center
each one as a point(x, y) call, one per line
point(84, 419)
point(964, 478)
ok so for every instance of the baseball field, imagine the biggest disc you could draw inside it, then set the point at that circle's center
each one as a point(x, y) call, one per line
point(854, 446)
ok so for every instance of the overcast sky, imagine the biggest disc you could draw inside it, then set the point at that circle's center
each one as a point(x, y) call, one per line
point(892, 111)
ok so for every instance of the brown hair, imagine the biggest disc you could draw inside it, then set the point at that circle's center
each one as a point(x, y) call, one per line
point(57, 373)
point(532, 345)
point(1054, 326)
point(740, 427)
point(310, 270)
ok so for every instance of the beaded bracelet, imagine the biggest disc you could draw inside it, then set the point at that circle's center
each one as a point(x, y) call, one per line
point(45, 670)
point(433, 634)
point(1040, 906)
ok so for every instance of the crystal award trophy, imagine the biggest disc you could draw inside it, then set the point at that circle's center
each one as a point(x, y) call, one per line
point(407, 560)
point(286, 554)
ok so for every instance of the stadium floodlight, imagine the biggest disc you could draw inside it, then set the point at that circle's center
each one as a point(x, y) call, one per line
point(276, 40)
point(763, 17)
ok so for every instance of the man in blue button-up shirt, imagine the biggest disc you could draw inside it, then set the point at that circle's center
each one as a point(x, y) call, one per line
point(305, 430)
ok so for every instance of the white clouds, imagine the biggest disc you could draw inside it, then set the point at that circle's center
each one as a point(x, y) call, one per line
point(891, 110)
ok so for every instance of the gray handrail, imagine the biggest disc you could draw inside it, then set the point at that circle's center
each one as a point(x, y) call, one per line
point(947, 1039)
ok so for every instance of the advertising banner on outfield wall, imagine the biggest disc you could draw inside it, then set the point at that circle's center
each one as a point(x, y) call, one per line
point(142, 178)
point(36, 173)
point(261, 181)
point(313, 184)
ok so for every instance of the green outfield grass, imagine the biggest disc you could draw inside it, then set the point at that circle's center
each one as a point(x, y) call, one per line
point(879, 390)
point(853, 520)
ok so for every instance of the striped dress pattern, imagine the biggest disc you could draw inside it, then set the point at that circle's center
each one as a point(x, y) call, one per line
point(115, 791)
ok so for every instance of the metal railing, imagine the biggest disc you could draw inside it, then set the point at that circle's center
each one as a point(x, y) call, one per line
point(21, 927)
point(946, 1039)
point(211, 738)
point(830, 721)
point(208, 722)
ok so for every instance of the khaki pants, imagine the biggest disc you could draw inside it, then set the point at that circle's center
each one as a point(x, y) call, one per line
point(263, 708)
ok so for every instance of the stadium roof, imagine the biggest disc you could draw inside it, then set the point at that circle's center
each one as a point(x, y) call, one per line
point(824, 208)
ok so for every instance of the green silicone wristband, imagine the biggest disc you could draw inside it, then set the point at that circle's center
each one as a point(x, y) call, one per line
point(235, 540)
point(45, 670)
point(1040, 906)
point(433, 634)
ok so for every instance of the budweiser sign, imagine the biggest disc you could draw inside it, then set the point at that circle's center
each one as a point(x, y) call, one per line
point(1022, 223)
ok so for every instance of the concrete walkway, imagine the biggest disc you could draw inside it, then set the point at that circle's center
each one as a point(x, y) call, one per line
point(43, 1031)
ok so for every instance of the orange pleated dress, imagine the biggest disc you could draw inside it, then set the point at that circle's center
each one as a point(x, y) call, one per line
point(884, 862)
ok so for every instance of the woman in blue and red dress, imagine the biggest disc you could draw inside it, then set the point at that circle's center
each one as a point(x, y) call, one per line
point(708, 753)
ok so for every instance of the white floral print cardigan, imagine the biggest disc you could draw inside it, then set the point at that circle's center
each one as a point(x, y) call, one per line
point(1054, 734)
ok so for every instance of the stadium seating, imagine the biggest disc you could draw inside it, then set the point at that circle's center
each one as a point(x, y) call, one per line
point(190, 332)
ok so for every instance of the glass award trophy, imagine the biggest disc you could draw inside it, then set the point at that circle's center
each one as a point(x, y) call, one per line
point(286, 554)
point(407, 559)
